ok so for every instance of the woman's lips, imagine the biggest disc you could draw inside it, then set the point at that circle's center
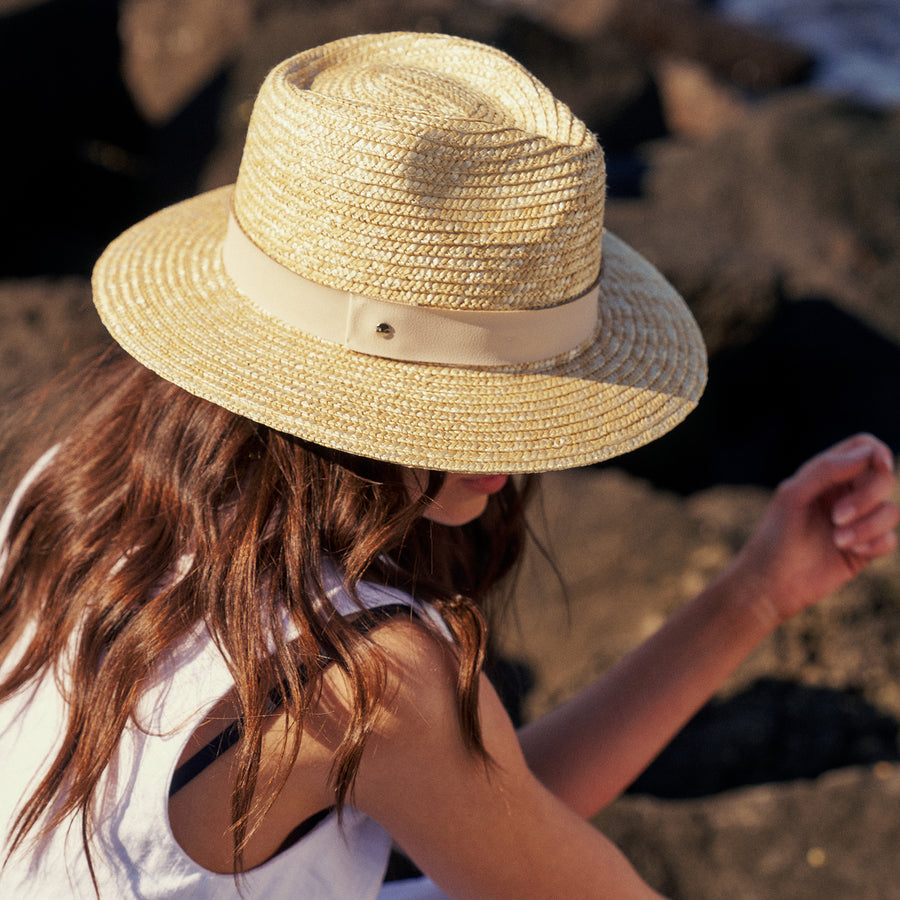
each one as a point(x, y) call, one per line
point(485, 484)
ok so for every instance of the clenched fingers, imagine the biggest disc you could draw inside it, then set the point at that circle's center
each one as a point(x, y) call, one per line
point(869, 489)
point(855, 475)
point(871, 534)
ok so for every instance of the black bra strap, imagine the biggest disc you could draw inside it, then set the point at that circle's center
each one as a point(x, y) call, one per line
point(204, 757)
point(304, 828)
point(227, 738)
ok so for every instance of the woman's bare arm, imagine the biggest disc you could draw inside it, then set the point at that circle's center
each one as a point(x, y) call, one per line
point(478, 829)
point(822, 527)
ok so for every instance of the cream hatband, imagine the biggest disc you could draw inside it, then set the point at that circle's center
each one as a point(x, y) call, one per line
point(406, 332)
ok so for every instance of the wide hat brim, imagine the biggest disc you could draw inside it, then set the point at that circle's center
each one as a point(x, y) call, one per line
point(162, 291)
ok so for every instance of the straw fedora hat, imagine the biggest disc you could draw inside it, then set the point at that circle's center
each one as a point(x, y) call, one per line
point(411, 267)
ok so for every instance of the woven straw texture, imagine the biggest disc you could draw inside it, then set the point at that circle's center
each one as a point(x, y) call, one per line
point(414, 169)
point(367, 171)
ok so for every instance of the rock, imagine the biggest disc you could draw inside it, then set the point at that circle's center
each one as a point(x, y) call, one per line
point(74, 146)
point(683, 29)
point(731, 51)
point(44, 323)
point(695, 103)
point(576, 19)
point(827, 839)
point(627, 555)
point(770, 185)
point(850, 644)
point(172, 48)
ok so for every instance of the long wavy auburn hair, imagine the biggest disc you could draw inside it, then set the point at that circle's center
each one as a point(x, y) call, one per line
point(150, 475)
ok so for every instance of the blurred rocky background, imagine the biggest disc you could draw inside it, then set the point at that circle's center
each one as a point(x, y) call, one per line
point(753, 153)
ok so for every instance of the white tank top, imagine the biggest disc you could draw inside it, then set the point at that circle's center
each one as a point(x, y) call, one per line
point(134, 852)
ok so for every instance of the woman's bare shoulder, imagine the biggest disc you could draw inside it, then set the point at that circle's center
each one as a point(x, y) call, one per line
point(479, 826)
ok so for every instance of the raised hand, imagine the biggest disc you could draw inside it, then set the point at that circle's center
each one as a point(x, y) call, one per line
point(824, 524)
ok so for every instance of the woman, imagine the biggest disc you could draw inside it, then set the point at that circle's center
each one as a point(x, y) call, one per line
point(244, 600)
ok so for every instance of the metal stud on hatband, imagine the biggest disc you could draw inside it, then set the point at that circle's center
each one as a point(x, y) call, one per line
point(386, 331)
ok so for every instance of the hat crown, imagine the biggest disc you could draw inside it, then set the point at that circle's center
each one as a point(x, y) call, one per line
point(411, 91)
point(422, 169)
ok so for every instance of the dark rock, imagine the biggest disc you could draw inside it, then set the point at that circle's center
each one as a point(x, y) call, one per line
point(771, 731)
point(680, 28)
point(74, 148)
point(810, 376)
point(732, 51)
